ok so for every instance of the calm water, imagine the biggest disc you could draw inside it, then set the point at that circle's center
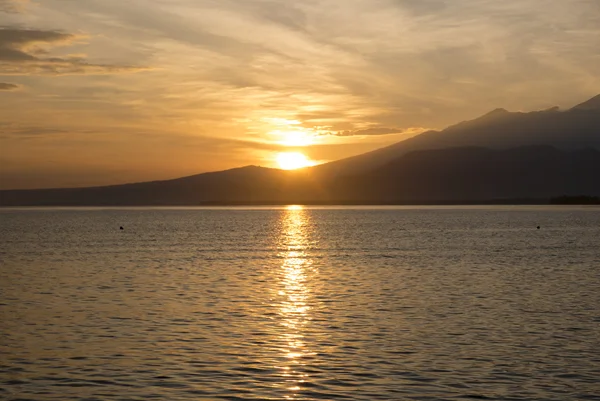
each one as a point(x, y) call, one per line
point(300, 304)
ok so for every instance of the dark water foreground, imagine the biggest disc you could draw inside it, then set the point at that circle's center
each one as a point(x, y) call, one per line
point(300, 304)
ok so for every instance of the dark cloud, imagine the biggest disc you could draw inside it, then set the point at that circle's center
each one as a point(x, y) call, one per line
point(16, 38)
point(4, 86)
point(15, 44)
point(19, 50)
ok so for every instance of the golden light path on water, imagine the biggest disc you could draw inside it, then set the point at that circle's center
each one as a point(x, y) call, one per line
point(294, 295)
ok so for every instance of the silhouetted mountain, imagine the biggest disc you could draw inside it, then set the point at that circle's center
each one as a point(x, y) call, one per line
point(249, 184)
point(500, 155)
point(469, 174)
point(576, 128)
point(478, 174)
point(592, 104)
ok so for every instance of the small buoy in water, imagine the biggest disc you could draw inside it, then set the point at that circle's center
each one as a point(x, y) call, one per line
point(121, 228)
point(538, 227)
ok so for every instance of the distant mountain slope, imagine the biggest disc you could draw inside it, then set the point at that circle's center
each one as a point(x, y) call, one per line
point(592, 104)
point(245, 185)
point(469, 174)
point(499, 155)
point(576, 128)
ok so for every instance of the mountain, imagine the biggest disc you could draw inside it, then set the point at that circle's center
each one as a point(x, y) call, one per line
point(575, 128)
point(592, 104)
point(468, 174)
point(249, 184)
point(499, 156)
point(478, 174)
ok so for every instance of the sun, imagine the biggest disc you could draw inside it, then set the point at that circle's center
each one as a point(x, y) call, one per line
point(293, 161)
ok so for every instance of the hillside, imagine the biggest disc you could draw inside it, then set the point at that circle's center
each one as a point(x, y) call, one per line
point(241, 185)
point(500, 155)
point(478, 174)
point(576, 128)
point(470, 174)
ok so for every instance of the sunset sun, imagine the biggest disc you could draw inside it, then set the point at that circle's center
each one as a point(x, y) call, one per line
point(293, 161)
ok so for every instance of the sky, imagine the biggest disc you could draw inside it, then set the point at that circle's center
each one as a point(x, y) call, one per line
point(96, 92)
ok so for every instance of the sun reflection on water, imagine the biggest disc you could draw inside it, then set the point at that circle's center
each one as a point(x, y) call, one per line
point(294, 296)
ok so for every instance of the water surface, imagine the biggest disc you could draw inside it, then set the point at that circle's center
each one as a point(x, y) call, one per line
point(300, 304)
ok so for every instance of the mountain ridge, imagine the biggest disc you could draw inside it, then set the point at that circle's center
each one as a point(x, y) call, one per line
point(546, 132)
point(591, 104)
point(443, 175)
point(499, 129)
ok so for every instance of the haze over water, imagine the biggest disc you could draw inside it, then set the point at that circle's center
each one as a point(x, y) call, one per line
point(300, 303)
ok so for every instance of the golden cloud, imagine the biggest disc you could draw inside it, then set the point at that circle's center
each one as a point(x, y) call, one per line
point(13, 6)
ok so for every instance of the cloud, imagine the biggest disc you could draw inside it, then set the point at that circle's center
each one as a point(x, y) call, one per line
point(13, 6)
point(408, 62)
point(4, 86)
point(20, 50)
point(351, 74)
point(18, 44)
point(377, 131)
point(11, 130)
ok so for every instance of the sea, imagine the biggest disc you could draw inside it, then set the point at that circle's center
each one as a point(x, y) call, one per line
point(300, 303)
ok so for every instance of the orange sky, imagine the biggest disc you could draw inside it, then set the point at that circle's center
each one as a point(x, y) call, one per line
point(98, 92)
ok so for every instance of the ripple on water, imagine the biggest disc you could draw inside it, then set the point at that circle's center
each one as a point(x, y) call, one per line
point(300, 304)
